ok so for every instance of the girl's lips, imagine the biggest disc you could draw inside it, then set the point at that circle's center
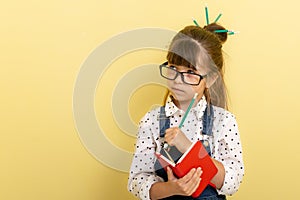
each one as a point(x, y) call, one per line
point(177, 90)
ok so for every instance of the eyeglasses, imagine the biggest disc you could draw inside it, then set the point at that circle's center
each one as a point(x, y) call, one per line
point(170, 73)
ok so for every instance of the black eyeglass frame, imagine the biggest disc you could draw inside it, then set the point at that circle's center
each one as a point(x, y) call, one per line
point(165, 64)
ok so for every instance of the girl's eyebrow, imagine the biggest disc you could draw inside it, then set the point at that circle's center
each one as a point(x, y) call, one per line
point(191, 67)
point(185, 68)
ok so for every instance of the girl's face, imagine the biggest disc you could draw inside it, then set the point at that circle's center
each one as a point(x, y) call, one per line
point(183, 92)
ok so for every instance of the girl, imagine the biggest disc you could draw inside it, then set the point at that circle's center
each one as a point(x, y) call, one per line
point(194, 65)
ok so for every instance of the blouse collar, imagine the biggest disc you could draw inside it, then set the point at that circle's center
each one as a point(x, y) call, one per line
point(171, 109)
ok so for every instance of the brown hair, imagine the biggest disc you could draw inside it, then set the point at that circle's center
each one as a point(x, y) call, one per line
point(197, 47)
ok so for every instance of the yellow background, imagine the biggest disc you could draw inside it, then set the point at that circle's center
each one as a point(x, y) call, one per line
point(44, 43)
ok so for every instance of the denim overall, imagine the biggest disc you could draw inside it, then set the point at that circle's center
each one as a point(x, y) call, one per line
point(210, 192)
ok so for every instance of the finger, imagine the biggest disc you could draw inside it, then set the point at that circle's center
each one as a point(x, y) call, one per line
point(170, 132)
point(194, 181)
point(193, 185)
point(188, 176)
point(197, 177)
point(169, 138)
point(199, 171)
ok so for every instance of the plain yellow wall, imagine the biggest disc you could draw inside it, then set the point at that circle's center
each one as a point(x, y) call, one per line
point(43, 45)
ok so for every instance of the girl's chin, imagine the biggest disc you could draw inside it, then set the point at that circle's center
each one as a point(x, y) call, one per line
point(178, 93)
point(180, 98)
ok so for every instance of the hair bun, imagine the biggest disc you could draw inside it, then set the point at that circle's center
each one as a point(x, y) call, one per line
point(214, 26)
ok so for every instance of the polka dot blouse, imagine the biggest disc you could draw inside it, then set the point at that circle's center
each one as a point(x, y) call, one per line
point(225, 146)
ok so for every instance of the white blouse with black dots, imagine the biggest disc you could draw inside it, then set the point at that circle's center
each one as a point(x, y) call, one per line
point(225, 145)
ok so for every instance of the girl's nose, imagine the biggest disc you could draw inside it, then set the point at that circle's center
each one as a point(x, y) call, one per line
point(178, 79)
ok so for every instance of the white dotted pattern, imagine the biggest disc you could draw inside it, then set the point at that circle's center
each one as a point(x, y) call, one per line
point(225, 143)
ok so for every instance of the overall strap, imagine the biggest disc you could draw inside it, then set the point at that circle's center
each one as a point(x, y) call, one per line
point(208, 118)
point(164, 122)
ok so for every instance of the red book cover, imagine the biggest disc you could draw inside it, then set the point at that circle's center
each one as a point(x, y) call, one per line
point(195, 156)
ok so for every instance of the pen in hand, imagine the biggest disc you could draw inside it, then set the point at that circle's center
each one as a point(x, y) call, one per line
point(184, 117)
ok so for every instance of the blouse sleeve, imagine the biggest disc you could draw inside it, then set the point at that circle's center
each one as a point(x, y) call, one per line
point(229, 153)
point(142, 173)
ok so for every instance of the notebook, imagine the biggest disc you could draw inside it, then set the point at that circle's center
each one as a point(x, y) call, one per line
point(195, 156)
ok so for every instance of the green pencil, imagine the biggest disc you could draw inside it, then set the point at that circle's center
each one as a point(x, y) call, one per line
point(206, 14)
point(195, 22)
point(221, 31)
point(218, 17)
point(188, 110)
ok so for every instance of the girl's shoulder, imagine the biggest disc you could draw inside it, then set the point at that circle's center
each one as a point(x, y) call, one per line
point(150, 116)
point(221, 114)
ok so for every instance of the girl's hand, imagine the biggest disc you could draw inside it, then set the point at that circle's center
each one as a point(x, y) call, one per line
point(175, 137)
point(186, 185)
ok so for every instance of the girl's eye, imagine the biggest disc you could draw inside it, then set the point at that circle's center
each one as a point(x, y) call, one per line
point(191, 72)
point(172, 67)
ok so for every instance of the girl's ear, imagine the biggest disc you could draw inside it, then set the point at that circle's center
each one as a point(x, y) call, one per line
point(211, 78)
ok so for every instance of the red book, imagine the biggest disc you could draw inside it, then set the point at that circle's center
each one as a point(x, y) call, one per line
point(196, 156)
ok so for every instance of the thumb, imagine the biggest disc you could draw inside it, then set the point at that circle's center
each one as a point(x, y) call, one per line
point(170, 174)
